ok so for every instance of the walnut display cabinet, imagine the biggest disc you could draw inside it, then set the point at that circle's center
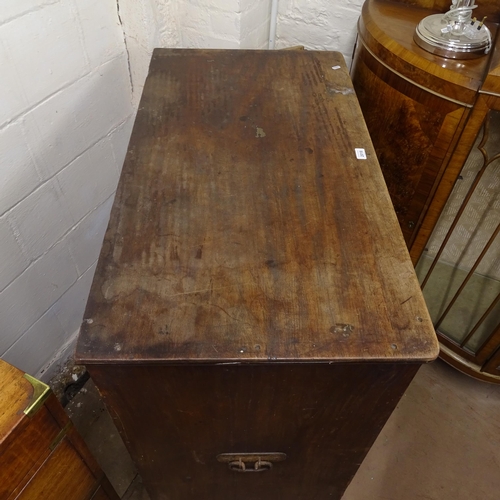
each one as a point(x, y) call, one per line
point(255, 316)
point(41, 454)
point(434, 127)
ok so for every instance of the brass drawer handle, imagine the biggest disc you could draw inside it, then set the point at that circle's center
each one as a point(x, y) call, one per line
point(251, 462)
point(259, 466)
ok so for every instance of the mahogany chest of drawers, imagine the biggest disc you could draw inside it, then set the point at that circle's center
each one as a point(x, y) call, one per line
point(41, 454)
point(254, 317)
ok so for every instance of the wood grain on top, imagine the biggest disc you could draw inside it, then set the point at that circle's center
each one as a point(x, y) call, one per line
point(15, 396)
point(244, 227)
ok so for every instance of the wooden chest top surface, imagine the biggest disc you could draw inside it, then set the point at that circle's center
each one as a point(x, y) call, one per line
point(15, 396)
point(244, 227)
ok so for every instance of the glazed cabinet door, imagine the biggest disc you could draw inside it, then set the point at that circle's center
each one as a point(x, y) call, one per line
point(413, 130)
point(459, 269)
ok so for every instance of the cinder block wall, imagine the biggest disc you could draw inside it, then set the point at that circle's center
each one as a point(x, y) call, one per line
point(146, 24)
point(224, 24)
point(319, 24)
point(65, 118)
point(255, 19)
point(214, 24)
point(233, 24)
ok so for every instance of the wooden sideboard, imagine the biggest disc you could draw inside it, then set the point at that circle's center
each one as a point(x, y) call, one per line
point(424, 113)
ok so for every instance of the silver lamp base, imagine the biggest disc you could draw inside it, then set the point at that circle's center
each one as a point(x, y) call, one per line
point(435, 34)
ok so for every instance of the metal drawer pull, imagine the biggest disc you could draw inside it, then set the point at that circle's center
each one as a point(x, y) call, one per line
point(259, 466)
point(250, 462)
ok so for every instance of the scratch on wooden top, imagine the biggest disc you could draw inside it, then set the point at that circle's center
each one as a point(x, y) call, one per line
point(219, 243)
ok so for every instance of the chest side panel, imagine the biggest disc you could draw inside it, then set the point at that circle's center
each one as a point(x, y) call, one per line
point(177, 420)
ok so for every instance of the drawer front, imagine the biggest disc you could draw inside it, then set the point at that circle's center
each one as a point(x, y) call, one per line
point(319, 420)
point(64, 475)
point(26, 452)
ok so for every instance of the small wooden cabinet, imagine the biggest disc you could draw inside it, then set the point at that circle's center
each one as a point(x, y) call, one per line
point(254, 317)
point(41, 454)
point(424, 114)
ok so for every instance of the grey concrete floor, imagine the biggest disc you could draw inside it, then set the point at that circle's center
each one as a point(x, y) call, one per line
point(441, 443)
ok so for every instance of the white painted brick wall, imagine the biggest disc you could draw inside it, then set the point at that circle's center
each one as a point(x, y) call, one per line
point(28, 40)
point(82, 238)
point(13, 261)
point(207, 24)
point(255, 18)
point(98, 164)
point(56, 327)
point(40, 219)
point(18, 173)
point(16, 8)
point(65, 119)
point(216, 24)
point(33, 292)
point(233, 24)
point(140, 29)
point(319, 24)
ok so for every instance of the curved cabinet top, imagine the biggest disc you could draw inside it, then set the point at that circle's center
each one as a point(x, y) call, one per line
point(387, 28)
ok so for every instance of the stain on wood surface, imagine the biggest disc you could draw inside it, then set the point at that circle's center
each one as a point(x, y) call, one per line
point(223, 238)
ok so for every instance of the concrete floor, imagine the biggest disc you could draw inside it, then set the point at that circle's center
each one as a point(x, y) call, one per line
point(441, 443)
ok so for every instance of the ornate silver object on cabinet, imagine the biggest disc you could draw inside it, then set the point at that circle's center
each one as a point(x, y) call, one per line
point(455, 34)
